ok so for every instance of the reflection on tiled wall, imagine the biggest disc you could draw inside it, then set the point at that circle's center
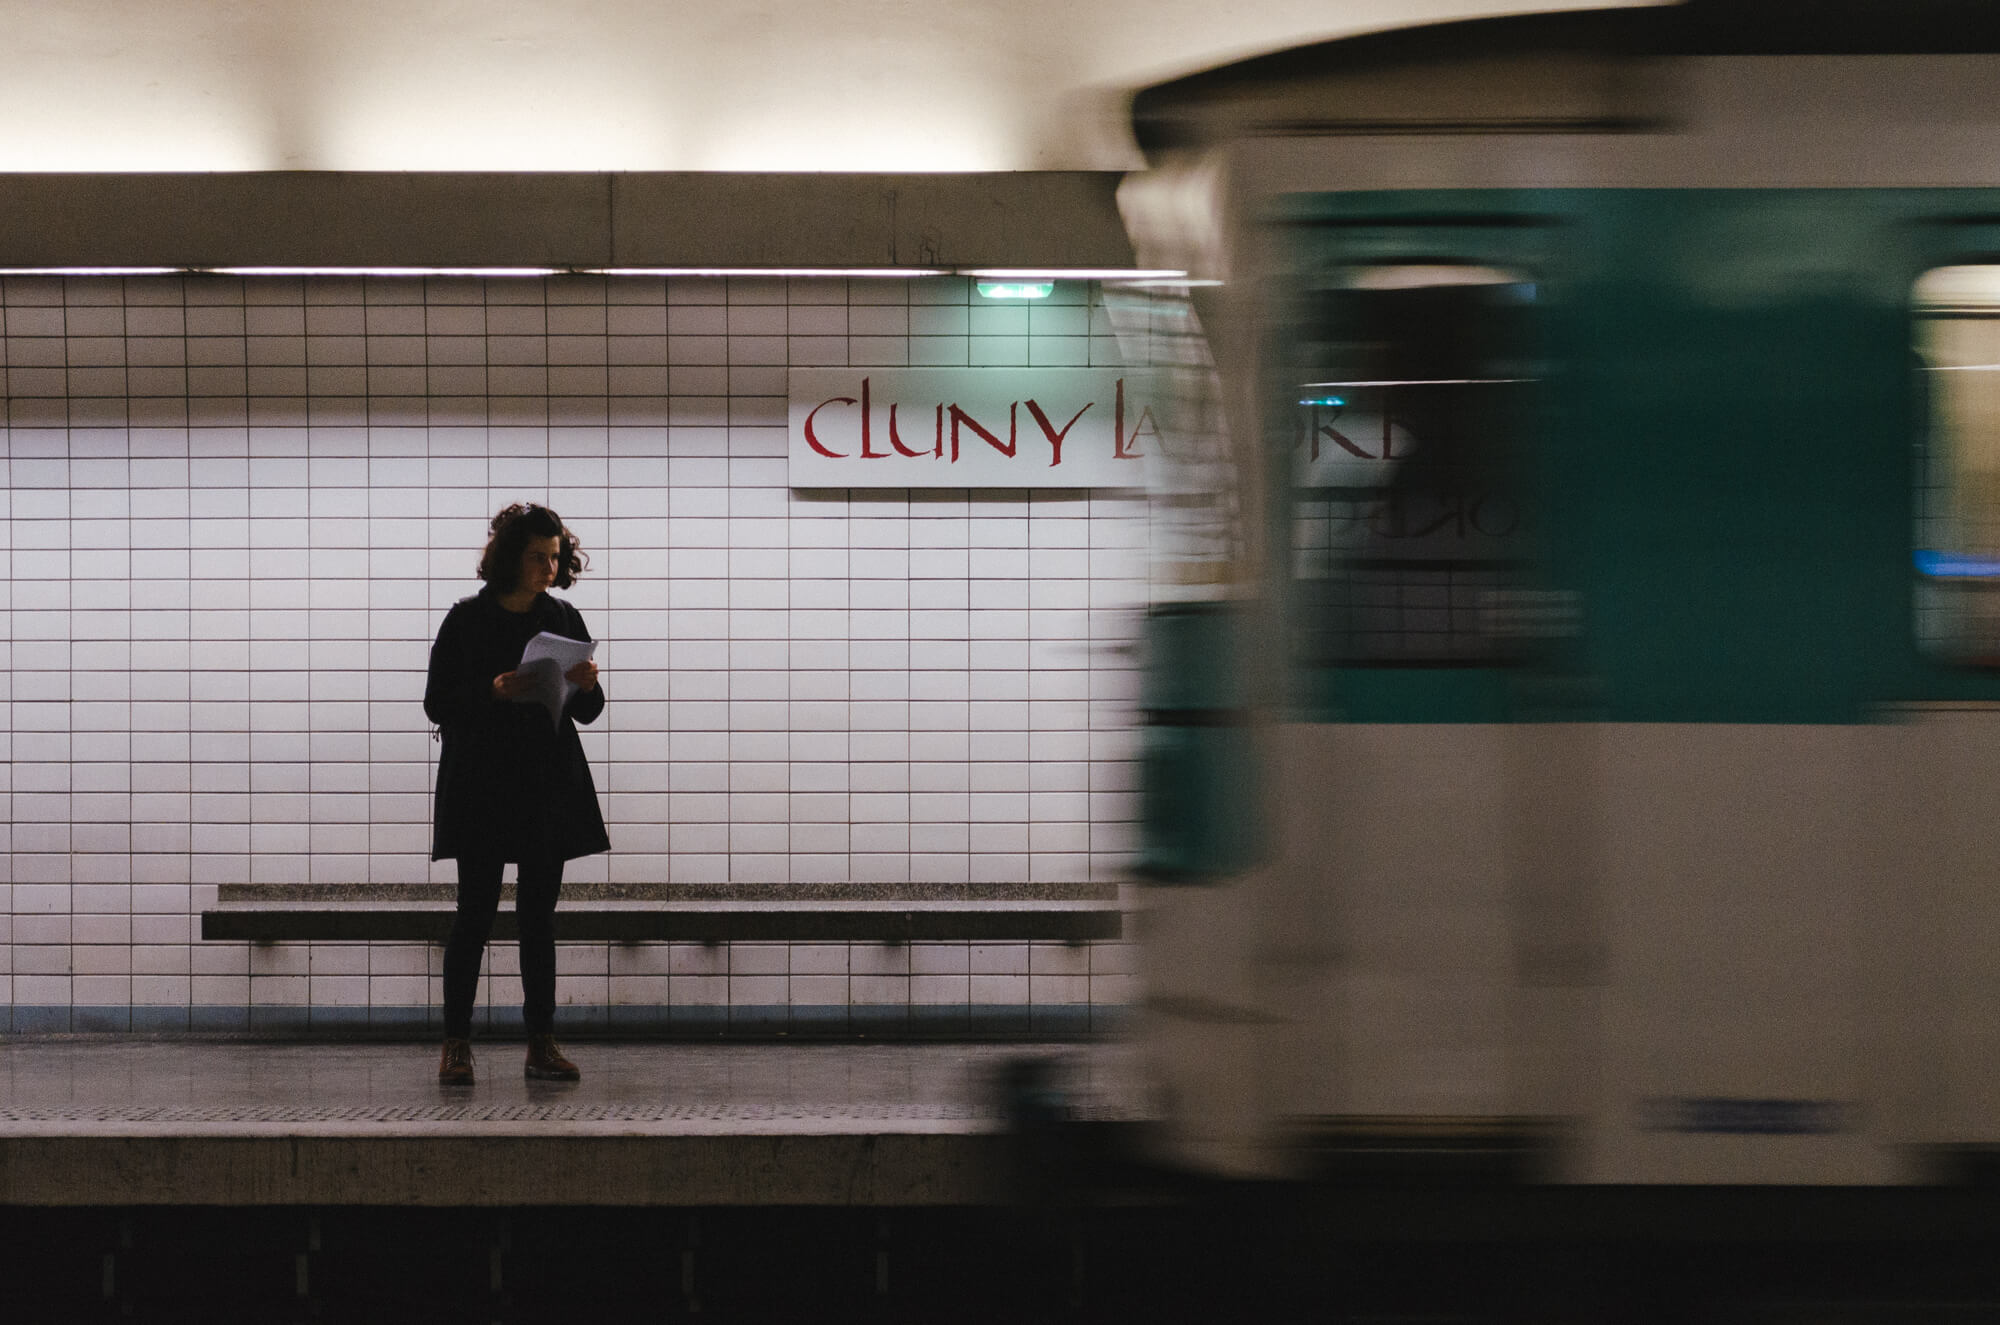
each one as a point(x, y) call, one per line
point(238, 509)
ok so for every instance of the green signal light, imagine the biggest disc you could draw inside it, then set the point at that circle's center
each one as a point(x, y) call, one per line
point(1016, 289)
point(1333, 402)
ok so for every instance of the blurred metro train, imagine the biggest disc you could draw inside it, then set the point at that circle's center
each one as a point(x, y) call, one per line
point(1573, 678)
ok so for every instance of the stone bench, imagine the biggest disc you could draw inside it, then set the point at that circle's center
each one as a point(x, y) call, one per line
point(684, 913)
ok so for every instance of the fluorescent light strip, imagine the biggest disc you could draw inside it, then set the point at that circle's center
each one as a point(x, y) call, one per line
point(1071, 274)
point(877, 273)
point(91, 271)
point(384, 271)
point(1136, 275)
point(1421, 381)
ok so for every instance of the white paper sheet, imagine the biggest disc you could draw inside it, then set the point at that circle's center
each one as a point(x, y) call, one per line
point(543, 663)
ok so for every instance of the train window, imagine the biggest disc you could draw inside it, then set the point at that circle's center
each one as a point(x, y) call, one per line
point(1408, 513)
point(1957, 336)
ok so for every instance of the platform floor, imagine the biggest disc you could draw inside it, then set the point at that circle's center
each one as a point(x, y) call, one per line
point(102, 1120)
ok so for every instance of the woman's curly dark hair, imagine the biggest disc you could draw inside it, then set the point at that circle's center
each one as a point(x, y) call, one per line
point(500, 563)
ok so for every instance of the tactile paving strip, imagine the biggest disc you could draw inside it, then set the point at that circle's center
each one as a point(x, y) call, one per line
point(216, 1089)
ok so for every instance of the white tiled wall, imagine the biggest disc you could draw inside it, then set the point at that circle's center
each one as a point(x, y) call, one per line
point(238, 509)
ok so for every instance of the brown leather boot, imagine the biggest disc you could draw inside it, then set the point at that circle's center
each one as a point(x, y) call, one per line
point(455, 1064)
point(546, 1061)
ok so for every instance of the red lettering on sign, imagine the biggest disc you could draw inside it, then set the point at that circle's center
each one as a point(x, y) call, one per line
point(1122, 445)
point(813, 441)
point(1128, 435)
point(866, 411)
point(1146, 425)
point(959, 416)
point(1055, 438)
point(897, 442)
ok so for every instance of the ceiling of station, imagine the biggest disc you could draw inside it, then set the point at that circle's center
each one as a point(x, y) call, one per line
point(616, 85)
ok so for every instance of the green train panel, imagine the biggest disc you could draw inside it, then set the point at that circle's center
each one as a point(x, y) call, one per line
point(1632, 455)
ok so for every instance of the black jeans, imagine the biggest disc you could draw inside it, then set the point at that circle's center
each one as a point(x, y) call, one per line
point(534, 909)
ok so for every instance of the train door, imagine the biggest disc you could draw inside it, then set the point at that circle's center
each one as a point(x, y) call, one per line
point(1360, 851)
point(1433, 824)
point(1944, 1074)
point(1784, 778)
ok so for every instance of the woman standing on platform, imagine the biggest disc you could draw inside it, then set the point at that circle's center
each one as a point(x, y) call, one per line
point(512, 783)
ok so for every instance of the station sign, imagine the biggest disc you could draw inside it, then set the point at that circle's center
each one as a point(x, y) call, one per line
point(970, 427)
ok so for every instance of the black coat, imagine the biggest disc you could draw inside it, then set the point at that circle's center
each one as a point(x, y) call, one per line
point(510, 783)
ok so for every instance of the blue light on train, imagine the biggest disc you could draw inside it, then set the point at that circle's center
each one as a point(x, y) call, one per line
point(1329, 401)
point(1955, 566)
